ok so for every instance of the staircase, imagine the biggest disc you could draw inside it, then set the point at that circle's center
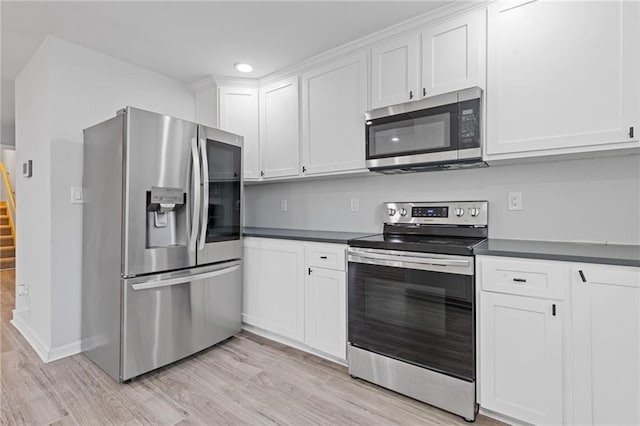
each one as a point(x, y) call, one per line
point(7, 239)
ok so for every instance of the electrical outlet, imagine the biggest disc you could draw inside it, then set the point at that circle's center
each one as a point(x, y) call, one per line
point(515, 201)
point(283, 205)
point(355, 204)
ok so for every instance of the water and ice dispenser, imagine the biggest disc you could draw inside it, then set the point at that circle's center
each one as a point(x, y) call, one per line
point(166, 210)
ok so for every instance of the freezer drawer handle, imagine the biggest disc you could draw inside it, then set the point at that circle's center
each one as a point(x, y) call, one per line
point(181, 280)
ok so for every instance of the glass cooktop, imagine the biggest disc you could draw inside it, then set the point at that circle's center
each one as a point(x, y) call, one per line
point(418, 243)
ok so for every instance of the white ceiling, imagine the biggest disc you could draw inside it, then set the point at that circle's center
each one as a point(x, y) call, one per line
point(192, 40)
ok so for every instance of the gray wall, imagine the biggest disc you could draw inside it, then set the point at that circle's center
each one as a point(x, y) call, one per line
point(589, 200)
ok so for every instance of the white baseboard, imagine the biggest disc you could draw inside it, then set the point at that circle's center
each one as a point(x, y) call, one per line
point(64, 351)
point(294, 344)
point(43, 350)
point(32, 338)
point(505, 419)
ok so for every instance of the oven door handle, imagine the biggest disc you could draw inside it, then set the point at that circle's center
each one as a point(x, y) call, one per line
point(410, 259)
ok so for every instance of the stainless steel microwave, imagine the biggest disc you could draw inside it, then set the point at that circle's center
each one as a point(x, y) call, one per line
point(439, 132)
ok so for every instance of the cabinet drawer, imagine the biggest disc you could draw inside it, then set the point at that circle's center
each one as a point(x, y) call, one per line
point(329, 257)
point(523, 277)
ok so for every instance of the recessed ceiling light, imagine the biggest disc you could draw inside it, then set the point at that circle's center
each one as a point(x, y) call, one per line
point(242, 67)
point(395, 139)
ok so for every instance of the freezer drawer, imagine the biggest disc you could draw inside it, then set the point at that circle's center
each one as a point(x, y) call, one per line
point(170, 316)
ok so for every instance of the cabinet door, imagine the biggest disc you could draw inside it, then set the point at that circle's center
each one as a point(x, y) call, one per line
point(453, 54)
point(521, 357)
point(606, 345)
point(280, 129)
point(562, 75)
point(273, 297)
point(394, 72)
point(239, 114)
point(334, 100)
point(326, 311)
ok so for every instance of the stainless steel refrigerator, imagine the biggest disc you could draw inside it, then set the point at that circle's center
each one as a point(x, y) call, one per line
point(162, 240)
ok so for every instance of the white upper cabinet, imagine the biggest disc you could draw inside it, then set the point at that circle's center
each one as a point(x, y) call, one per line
point(453, 54)
point(334, 100)
point(395, 72)
point(562, 77)
point(606, 345)
point(238, 109)
point(280, 129)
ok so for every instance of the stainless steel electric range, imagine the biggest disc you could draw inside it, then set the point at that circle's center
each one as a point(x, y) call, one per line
point(412, 302)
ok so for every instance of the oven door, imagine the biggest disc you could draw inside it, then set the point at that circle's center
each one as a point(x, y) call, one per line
point(414, 307)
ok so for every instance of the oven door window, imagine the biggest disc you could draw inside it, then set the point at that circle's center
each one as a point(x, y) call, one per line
point(421, 317)
point(418, 132)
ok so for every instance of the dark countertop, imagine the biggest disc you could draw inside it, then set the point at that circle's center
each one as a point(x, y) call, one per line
point(612, 254)
point(304, 235)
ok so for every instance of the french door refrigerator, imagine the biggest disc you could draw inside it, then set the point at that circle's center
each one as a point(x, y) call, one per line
point(162, 248)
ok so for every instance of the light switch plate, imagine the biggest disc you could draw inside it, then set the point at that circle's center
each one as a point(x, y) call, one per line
point(77, 195)
point(27, 169)
point(283, 205)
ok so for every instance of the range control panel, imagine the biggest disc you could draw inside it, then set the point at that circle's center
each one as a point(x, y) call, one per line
point(471, 213)
point(429, 211)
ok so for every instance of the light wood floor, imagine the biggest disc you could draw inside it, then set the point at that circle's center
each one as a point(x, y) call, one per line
point(247, 380)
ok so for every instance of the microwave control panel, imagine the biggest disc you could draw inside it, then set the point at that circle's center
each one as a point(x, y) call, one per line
point(469, 123)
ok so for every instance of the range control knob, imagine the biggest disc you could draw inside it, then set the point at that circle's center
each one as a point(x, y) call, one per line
point(474, 211)
point(459, 212)
point(403, 212)
point(391, 212)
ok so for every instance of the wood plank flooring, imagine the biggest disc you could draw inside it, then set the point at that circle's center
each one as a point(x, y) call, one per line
point(247, 380)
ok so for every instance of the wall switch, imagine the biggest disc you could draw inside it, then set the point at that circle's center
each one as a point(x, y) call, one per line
point(355, 204)
point(283, 205)
point(77, 195)
point(23, 290)
point(27, 169)
point(515, 201)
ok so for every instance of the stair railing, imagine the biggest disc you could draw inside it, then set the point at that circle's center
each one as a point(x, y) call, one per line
point(12, 201)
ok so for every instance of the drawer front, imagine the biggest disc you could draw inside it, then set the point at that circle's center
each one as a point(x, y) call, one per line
point(326, 256)
point(166, 320)
point(523, 277)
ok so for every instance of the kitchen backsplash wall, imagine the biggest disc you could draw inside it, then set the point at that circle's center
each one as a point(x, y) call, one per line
point(589, 200)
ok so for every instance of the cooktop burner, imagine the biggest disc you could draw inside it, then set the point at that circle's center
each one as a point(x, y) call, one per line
point(430, 227)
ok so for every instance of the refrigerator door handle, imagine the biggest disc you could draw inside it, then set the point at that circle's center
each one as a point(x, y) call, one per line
point(182, 280)
point(193, 237)
point(204, 219)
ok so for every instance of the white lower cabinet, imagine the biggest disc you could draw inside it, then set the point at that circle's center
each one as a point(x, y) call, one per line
point(522, 339)
point(273, 296)
point(580, 366)
point(521, 359)
point(606, 345)
point(297, 290)
point(326, 323)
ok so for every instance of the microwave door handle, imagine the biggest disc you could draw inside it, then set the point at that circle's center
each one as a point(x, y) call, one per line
point(195, 170)
point(204, 219)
